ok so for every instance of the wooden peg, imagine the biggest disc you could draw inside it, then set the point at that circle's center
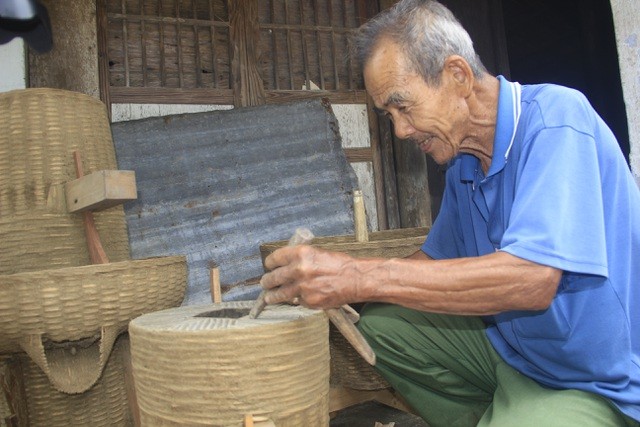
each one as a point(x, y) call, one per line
point(216, 294)
point(360, 217)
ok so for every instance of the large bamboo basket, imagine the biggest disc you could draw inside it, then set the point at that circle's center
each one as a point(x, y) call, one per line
point(56, 315)
point(41, 128)
point(348, 369)
point(212, 365)
point(54, 305)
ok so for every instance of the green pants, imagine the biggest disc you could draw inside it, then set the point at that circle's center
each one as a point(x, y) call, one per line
point(447, 370)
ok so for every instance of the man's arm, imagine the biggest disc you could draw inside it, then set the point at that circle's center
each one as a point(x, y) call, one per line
point(472, 286)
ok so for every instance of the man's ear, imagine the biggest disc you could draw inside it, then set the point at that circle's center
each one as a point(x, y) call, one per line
point(460, 73)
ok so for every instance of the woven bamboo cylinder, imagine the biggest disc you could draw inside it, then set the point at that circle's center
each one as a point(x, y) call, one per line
point(104, 405)
point(41, 128)
point(211, 365)
point(347, 367)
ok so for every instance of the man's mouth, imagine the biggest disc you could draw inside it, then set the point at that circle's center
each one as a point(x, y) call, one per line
point(425, 144)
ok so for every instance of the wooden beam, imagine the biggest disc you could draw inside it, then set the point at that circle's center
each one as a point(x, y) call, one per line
point(355, 155)
point(244, 33)
point(160, 95)
point(343, 397)
point(100, 190)
point(165, 95)
point(377, 143)
point(390, 185)
point(335, 97)
point(103, 60)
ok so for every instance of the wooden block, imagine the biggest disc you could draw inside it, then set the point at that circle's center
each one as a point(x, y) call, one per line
point(343, 397)
point(100, 190)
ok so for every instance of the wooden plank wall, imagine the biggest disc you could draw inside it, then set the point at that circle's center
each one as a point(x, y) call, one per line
point(247, 86)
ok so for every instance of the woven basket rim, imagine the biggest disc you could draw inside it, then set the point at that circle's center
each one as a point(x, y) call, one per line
point(376, 237)
point(71, 303)
point(92, 268)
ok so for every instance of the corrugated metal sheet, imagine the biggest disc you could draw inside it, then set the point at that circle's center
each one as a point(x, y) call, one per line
point(213, 186)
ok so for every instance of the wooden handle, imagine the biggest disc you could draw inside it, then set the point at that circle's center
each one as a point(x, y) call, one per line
point(96, 252)
point(300, 237)
point(342, 322)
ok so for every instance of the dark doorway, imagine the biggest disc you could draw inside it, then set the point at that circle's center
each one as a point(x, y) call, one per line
point(568, 42)
point(572, 43)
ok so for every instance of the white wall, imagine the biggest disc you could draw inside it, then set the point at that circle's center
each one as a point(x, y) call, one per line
point(626, 18)
point(13, 70)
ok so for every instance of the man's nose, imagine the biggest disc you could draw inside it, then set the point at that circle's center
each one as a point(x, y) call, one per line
point(402, 128)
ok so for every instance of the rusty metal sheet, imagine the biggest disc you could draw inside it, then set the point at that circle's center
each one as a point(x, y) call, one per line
point(214, 186)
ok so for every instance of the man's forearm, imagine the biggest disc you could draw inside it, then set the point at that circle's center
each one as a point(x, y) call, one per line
point(473, 286)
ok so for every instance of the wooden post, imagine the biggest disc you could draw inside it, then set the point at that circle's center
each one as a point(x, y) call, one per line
point(244, 32)
point(360, 217)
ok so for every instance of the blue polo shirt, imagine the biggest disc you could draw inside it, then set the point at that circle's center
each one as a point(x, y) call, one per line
point(558, 192)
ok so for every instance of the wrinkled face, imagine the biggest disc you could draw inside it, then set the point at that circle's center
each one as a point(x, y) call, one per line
point(433, 118)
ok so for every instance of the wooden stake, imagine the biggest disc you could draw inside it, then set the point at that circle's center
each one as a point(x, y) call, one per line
point(248, 420)
point(360, 217)
point(216, 294)
point(96, 252)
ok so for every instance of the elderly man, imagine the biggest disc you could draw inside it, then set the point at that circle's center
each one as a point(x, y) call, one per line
point(522, 307)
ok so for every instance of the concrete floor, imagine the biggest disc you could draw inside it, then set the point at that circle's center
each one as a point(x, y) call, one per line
point(368, 413)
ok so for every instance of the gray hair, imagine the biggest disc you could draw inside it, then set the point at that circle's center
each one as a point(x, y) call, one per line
point(426, 30)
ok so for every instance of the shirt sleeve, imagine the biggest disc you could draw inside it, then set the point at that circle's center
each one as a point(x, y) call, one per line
point(557, 217)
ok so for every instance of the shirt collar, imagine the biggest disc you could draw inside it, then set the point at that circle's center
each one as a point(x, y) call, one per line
point(509, 109)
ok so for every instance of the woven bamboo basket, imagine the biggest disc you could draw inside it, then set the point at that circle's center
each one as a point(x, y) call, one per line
point(104, 405)
point(41, 128)
point(54, 315)
point(397, 243)
point(348, 369)
point(212, 365)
